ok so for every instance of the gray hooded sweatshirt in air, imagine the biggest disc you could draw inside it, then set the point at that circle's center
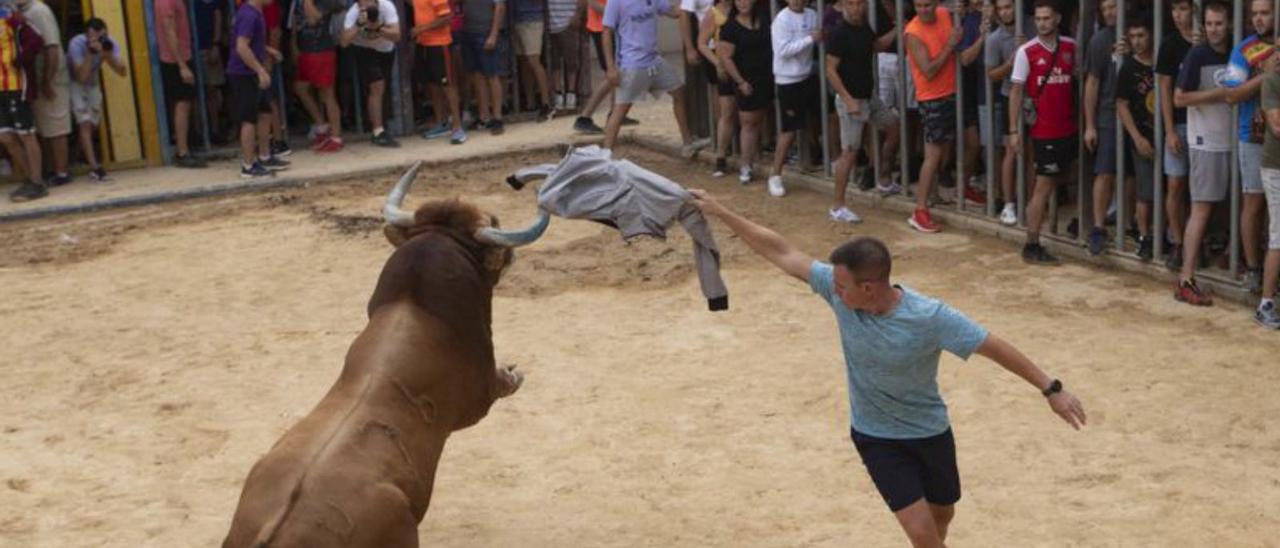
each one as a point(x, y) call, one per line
point(589, 184)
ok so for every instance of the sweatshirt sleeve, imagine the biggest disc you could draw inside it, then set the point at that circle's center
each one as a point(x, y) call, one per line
point(706, 256)
point(782, 26)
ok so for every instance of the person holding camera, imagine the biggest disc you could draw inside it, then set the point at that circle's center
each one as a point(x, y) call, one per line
point(85, 55)
point(373, 26)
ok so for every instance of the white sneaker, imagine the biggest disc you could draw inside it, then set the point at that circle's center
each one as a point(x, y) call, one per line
point(888, 188)
point(744, 174)
point(1009, 215)
point(775, 187)
point(571, 101)
point(559, 101)
point(844, 215)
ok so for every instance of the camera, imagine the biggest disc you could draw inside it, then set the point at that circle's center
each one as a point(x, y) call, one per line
point(371, 14)
point(107, 45)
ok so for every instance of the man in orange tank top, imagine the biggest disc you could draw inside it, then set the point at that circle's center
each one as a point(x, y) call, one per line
point(931, 47)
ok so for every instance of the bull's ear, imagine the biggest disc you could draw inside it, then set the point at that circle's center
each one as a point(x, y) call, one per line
point(395, 234)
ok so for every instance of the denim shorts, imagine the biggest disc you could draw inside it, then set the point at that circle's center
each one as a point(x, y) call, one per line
point(1174, 165)
point(487, 63)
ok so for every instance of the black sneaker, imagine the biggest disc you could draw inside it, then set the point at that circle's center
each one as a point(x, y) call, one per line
point(722, 168)
point(1073, 228)
point(1037, 254)
point(274, 163)
point(1173, 260)
point(586, 125)
point(254, 171)
point(99, 175)
point(189, 161)
point(280, 148)
point(28, 191)
point(1146, 247)
point(385, 139)
point(477, 124)
point(546, 113)
point(59, 179)
point(629, 121)
point(495, 127)
point(1097, 241)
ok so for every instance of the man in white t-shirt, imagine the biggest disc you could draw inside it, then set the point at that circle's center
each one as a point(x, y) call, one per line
point(373, 27)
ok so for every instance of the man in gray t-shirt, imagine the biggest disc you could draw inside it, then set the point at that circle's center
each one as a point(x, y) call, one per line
point(1100, 122)
point(998, 56)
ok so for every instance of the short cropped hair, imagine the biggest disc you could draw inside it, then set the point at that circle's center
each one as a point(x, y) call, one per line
point(1141, 20)
point(96, 24)
point(1051, 4)
point(1220, 6)
point(866, 258)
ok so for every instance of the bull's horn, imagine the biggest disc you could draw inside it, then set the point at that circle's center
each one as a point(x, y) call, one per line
point(391, 211)
point(515, 238)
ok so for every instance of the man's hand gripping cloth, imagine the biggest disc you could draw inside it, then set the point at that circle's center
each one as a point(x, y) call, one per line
point(589, 184)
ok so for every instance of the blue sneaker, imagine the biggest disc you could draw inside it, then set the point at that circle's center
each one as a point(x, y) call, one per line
point(254, 171)
point(1097, 241)
point(458, 137)
point(436, 131)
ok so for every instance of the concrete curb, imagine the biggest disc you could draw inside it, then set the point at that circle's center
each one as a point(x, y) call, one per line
point(275, 183)
point(981, 225)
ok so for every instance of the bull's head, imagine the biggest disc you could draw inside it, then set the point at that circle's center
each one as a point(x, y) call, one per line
point(483, 228)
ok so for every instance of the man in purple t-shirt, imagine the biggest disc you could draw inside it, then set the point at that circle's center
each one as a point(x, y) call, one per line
point(249, 80)
point(636, 68)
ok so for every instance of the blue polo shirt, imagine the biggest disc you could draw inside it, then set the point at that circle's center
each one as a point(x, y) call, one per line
point(892, 360)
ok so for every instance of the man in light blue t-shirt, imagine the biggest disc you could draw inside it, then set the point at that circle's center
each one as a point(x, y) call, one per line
point(892, 338)
point(634, 65)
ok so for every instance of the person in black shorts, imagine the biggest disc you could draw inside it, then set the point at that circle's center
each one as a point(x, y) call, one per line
point(176, 76)
point(373, 27)
point(250, 99)
point(746, 53)
point(796, 31)
point(726, 103)
point(17, 119)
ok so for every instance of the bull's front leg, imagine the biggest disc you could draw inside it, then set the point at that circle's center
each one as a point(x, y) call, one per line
point(509, 380)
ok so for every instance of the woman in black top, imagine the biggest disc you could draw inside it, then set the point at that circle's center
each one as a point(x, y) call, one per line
point(746, 53)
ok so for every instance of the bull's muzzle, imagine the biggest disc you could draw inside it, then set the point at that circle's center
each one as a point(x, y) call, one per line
point(396, 216)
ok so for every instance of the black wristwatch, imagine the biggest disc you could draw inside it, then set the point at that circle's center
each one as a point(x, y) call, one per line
point(1054, 388)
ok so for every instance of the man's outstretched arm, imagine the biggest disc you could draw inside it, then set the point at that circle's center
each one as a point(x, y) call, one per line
point(1009, 357)
point(764, 242)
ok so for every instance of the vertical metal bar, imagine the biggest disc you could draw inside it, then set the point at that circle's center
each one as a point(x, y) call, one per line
point(198, 63)
point(903, 146)
point(992, 168)
point(1237, 32)
point(823, 106)
point(777, 104)
point(1157, 155)
point(873, 11)
point(1122, 224)
point(357, 92)
point(1020, 166)
point(957, 21)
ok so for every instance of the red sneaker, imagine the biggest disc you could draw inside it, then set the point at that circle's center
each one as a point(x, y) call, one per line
point(1189, 292)
point(318, 140)
point(974, 196)
point(921, 220)
point(331, 144)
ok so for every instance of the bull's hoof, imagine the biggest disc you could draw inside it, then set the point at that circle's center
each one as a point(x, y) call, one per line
point(509, 380)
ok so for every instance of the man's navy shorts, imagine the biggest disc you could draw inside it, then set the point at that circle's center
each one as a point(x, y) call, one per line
point(908, 470)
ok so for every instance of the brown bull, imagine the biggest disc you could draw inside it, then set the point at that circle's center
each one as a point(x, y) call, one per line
point(358, 470)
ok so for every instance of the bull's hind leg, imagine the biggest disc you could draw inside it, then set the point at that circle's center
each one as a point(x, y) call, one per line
point(509, 380)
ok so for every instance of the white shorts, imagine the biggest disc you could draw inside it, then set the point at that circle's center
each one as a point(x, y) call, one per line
point(1271, 185)
point(655, 80)
point(86, 104)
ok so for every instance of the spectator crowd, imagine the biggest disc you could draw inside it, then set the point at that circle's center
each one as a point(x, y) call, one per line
point(983, 95)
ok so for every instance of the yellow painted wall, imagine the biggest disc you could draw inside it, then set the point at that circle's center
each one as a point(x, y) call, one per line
point(121, 111)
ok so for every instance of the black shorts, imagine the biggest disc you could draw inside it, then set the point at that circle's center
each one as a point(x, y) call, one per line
point(247, 99)
point(174, 88)
point(939, 116)
point(1054, 157)
point(373, 65)
point(905, 471)
point(15, 113)
point(435, 64)
point(761, 93)
point(799, 102)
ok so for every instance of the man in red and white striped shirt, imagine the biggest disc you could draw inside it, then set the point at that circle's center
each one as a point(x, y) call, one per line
point(1044, 69)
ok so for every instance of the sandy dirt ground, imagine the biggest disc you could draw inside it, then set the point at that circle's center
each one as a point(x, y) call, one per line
point(151, 355)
